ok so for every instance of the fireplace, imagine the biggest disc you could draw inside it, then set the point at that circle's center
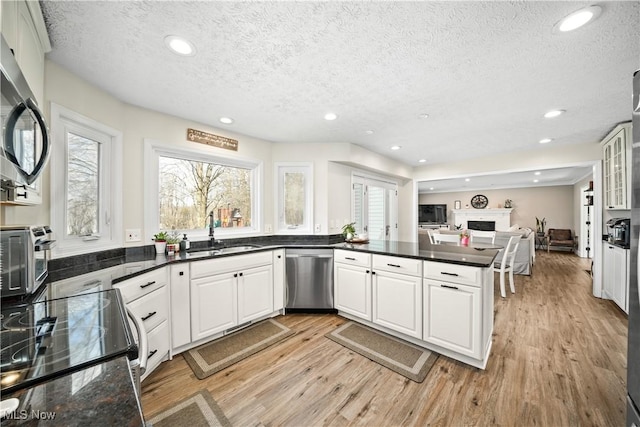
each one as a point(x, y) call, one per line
point(500, 219)
point(481, 225)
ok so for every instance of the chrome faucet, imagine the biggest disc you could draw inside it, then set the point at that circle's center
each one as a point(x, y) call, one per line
point(212, 239)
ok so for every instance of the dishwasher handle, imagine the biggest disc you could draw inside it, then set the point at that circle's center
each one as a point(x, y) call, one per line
point(308, 256)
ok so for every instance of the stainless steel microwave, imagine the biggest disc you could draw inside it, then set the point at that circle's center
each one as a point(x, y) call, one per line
point(24, 150)
point(24, 262)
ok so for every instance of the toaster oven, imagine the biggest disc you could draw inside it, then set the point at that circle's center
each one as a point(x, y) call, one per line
point(25, 252)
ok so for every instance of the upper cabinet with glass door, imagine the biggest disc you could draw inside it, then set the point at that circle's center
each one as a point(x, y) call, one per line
point(616, 170)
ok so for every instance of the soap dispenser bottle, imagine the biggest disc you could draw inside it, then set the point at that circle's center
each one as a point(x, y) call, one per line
point(184, 243)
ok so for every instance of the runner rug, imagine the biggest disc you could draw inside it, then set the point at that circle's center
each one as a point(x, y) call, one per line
point(212, 357)
point(400, 356)
point(197, 410)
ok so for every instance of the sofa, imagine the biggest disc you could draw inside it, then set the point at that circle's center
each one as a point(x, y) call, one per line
point(525, 256)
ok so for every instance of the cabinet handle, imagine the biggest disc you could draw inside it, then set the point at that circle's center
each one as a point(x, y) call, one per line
point(235, 274)
point(449, 287)
point(279, 256)
point(240, 274)
point(151, 353)
point(150, 315)
point(449, 274)
point(368, 272)
point(181, 273)
point(373, 272)
point(349, 258)
point(393, 265)
point(147, 285)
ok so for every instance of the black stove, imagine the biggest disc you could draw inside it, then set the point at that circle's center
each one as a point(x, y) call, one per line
point(43, 340)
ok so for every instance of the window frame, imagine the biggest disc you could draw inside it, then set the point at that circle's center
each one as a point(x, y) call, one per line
point(63, 121)
point(153, 149)
point(280, 168)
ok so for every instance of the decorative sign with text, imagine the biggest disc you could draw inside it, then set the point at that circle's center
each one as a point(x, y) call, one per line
point(211, 139)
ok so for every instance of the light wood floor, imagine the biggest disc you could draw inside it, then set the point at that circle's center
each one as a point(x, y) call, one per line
point(558, 359)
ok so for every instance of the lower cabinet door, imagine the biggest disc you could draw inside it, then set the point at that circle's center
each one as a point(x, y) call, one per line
point(452, 317)
point(397, 302)
point(158, 339)
point(352, 290)
point(255, 293)
point(213, 305)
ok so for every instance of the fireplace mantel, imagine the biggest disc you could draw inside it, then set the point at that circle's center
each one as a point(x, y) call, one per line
point(502, 217)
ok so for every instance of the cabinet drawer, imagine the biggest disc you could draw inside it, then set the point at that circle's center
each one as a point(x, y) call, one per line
point(230, 263)
point(133, 289)
point(158, 340)
point(453, 273)
point(152, 308)
point(352, 257)
point(399, 265)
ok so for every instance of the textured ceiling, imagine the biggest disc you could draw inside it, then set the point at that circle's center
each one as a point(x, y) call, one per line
point(485, 72)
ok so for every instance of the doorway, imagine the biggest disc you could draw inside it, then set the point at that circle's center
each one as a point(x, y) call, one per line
point(374, 205)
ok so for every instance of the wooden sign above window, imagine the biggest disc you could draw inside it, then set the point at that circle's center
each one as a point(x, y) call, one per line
point(211, 139)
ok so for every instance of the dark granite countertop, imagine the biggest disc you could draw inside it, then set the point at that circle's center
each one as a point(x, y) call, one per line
point(462, 255)
point(617, 245)
point(101, 395)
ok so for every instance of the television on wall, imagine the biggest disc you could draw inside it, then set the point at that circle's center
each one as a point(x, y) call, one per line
point(432, 214)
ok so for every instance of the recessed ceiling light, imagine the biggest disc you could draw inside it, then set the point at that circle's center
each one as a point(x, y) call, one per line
point(467, 179)
point(535, 180)
point(226, 120)
point(368, 132)
point(553, 113)
point(396, 147)
point(431, 188)
point(180, 45)
point(330, 116)
point(577, 19)
point(545, 140)
point(537, 173)
point(423, 116)
point(422, 160)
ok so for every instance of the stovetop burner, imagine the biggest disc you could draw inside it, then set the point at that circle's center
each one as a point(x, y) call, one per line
point(46, 339)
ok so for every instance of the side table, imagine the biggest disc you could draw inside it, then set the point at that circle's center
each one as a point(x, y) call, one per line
point(541, 241)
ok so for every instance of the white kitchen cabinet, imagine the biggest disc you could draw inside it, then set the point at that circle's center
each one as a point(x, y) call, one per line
point(229, 291)
point(180, 292)
point(214, 304)
point(397, 294)
point(453, 316)
point(616, 171)
point(24, 31)
point(615, 278)
point(147, 296)
point(278, 279)
point(352, 283)
point(255, 293)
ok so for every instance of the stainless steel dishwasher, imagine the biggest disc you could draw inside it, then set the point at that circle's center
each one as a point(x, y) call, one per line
point(309, 275)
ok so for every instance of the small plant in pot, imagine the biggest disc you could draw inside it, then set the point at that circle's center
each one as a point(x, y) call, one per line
point(349, 231)
point(160, 240)
point(173, 242)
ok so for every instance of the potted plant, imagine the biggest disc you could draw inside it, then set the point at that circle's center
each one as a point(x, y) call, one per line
point(540, 223)
point(173, 242)
point(349, 231)
point(160, 240)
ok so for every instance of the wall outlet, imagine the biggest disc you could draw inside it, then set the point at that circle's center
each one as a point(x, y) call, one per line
point(267, 228)
point(318, 228)
point(132, 235)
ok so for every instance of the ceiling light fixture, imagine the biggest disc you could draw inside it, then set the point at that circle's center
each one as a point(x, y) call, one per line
point(467, 179)
point(330, 116)
point(577, 19)
point(396, 147)
point(545, 140)
point(422, 160)
point(553, 113)
point(368, 132)
point(226, 120)
point(537, 173)
point(180, 45)
point(431, 188)
point(535, 180)
point(424, 116)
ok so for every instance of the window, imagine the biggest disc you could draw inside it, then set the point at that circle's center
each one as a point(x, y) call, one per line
point(183, 186)
point(295, 198)
point(374, 205)
point(86, 210)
